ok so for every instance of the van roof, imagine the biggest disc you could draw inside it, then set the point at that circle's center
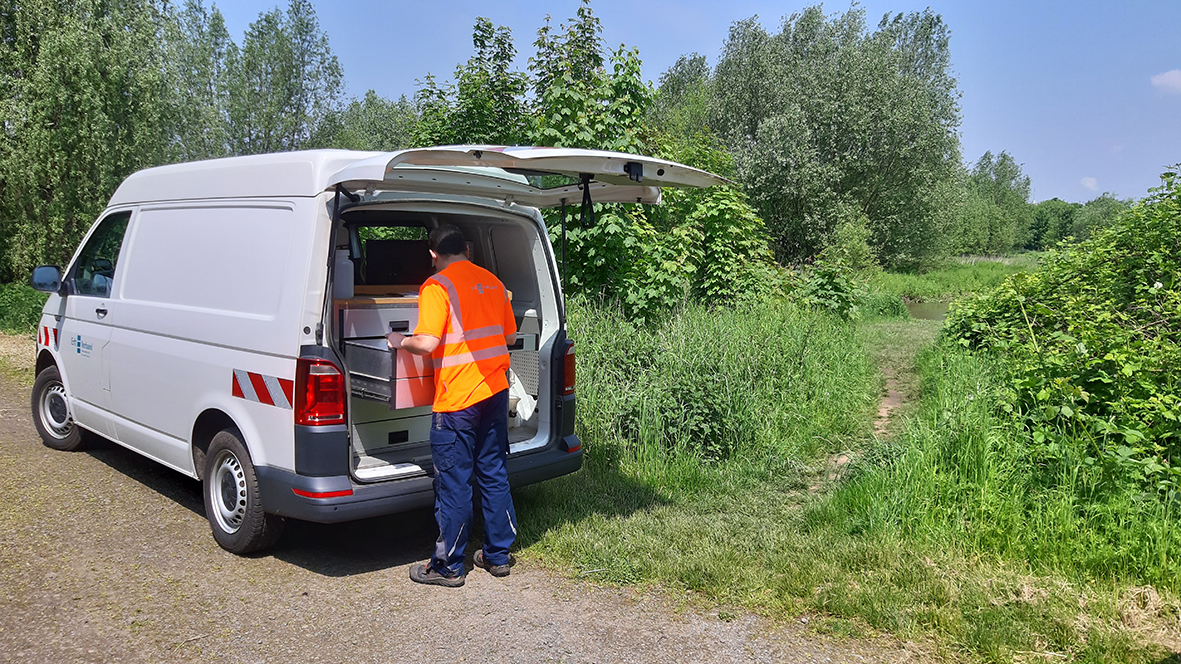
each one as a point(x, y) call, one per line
point(303, 173)
point(537, 176)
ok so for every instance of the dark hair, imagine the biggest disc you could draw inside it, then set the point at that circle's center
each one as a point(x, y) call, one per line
point(447, 240)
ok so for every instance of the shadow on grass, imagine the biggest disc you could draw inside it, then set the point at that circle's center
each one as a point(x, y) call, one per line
point(599, 489)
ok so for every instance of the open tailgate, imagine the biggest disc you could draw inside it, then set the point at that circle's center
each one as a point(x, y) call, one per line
point(536, 176)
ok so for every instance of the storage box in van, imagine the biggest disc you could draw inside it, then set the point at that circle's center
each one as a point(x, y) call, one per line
point(226, 318)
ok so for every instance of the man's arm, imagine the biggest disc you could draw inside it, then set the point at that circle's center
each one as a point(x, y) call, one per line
point(419, 344)
point(510, 320)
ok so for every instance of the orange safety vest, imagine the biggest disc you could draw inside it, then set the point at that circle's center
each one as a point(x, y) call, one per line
point(467, 308)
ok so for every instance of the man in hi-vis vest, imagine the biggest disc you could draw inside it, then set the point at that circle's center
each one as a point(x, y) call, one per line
point(466, 323)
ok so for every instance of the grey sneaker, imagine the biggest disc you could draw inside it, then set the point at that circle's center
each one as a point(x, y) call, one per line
point(427, 574)
point(494, 570)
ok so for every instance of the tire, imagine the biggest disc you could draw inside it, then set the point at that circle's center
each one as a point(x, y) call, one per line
point(233, 503)
point(51, 413)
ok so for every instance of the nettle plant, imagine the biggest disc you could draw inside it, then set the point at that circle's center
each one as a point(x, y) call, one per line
point(1092, 346)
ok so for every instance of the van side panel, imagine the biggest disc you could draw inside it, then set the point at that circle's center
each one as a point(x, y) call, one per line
point(211, 303)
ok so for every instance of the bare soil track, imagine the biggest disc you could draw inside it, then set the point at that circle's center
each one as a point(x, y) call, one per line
point(106, 557)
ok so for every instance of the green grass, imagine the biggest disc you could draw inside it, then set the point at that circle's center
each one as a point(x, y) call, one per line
point(937, 535)
point(956, 278)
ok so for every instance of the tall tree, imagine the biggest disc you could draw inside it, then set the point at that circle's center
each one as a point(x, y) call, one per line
point(85, 104)
point(199, 48)
point(998, 193)
point(1050, 222)
point(486, 103)
point(374, 123)
point(1099, 212)
point(575, 53)
point(829, 121)
point(283, 82)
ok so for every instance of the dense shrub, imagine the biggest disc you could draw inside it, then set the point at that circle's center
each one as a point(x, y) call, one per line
point(20, 308)
point(1092, 346)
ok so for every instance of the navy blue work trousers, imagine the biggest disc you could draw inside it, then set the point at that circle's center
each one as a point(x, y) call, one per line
point(469, 448)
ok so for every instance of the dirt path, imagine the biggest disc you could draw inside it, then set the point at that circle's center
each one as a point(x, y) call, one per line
point(106, 556)
point(894, 344)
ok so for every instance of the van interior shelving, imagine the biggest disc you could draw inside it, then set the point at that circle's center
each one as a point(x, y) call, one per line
point(386, 248)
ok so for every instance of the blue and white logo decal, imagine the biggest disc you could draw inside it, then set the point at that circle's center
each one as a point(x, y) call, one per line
point(80, 346)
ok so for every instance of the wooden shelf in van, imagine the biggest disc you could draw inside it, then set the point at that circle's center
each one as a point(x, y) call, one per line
point(370, 296)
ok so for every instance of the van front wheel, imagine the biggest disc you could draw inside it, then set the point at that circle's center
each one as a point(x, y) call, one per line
point(51, 413)
point(232, 502)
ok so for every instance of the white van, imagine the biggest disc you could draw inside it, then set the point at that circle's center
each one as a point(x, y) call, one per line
point(227, 319)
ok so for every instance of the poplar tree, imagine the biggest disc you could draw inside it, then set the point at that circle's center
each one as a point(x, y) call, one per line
point(85, 100)
point(283, 82)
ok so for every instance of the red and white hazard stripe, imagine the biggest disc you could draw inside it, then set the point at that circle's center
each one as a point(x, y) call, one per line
point(263, 389)
point(47, 336)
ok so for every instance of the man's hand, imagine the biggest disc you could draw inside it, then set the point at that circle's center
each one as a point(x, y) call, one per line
point(395, 339)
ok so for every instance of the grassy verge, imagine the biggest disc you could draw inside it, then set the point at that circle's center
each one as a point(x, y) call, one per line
point(935, 535)
point(956, 278)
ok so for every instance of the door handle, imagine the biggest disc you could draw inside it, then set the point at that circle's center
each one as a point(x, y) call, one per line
point(101, 311)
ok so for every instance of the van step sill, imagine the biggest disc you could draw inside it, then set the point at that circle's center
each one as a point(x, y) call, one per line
point(388, 472)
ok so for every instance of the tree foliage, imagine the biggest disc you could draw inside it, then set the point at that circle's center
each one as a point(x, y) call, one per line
point(996, 216)
point(374, 123)
point(827, 119)
point(485, 105)
point(94, 91)
point(283, 82)
point(85, 96)
point(841, 138)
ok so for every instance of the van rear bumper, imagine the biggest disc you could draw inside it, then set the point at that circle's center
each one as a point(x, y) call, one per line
point(277, 487)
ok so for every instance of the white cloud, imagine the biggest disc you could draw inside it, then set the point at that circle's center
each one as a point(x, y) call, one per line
point(1090, 183)
point(1169, 81)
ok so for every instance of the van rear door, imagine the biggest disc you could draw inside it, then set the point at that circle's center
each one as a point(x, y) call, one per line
point(535, 176)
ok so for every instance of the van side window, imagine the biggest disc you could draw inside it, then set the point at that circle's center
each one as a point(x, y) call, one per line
point(95, 270)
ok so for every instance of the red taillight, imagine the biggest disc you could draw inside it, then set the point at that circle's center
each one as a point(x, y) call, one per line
point(319, 393)
point(569, 386)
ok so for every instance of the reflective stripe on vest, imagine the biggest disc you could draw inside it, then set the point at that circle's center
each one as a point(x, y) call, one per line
point(474, 356)
point(457, 335)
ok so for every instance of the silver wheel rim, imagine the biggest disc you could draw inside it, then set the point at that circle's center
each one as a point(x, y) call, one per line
point(227, 492)
point(54, 411)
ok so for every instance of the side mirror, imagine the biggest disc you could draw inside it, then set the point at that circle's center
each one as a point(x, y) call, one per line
point(47, 279)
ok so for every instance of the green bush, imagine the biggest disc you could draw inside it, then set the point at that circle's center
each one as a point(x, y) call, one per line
point(1091, 344)
point(20, 308)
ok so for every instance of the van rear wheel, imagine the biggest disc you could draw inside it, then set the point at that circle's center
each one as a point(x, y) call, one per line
point(51, 413)
point(232, 500)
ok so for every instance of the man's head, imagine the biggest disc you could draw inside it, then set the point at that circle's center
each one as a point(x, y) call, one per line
point(447, 245)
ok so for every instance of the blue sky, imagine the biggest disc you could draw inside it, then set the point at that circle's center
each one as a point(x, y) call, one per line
point(1085, 95)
